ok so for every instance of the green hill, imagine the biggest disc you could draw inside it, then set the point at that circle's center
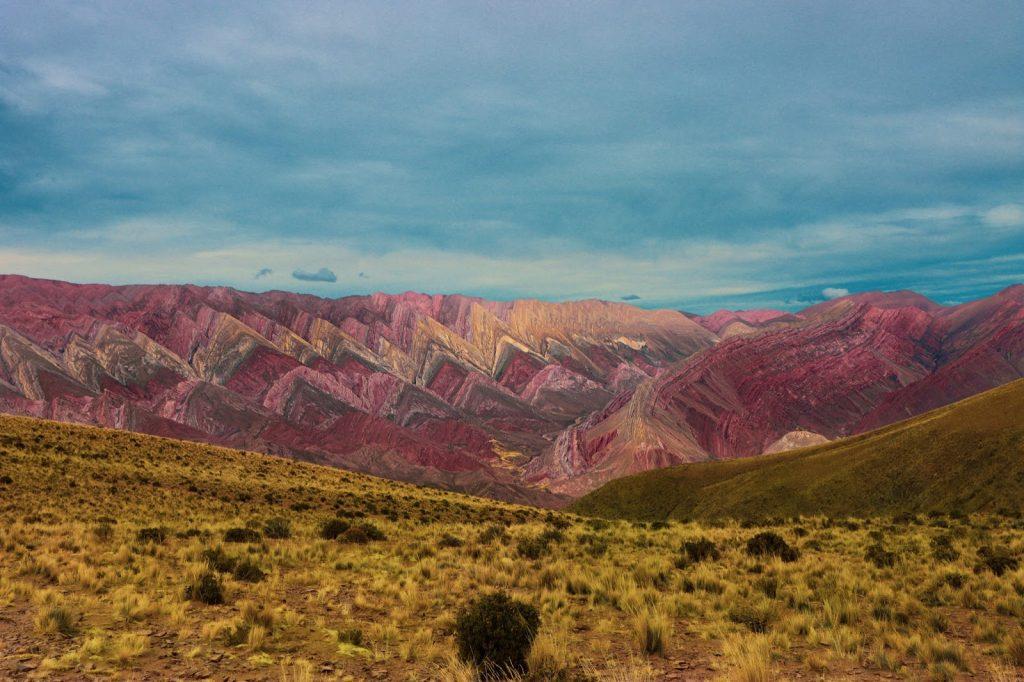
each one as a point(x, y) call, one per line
point(968, 456)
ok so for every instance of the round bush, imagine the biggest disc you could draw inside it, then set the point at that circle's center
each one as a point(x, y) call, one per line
point(495, 632)
point(206, 589)
point(332, 528)
point(771, 544)
point(277, 528)
point(241, 535)
point(698, 550)
point(248, 571)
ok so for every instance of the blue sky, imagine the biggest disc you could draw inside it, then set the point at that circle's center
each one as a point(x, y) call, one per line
point(684, 154)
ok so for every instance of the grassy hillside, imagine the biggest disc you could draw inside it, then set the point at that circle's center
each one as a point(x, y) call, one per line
point(965, 457)
point(131, 557)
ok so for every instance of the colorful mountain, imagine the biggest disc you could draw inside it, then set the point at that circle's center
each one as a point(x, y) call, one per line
point(966, 457)
point(450, 391)
point(843, 367)
point(523, 400)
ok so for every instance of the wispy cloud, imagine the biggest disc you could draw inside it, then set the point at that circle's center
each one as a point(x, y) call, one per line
point(321, 275)
point(263, 272)
point(835, 292)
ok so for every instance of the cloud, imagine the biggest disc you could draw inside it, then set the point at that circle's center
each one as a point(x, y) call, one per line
point(1006, 215)
point(321, 275)
point(834, 292)
point(263, 272)
point(630, 297)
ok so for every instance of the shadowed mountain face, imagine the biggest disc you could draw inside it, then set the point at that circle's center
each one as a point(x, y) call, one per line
point(965, 457)
point(443, 390)
point(839, 368)
point(522, 400)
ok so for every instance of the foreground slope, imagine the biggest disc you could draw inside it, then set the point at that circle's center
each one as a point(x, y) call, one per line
point(125, 556)
point(965, 457)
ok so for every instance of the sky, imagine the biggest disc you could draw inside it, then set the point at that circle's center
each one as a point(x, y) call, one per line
point(693, 155)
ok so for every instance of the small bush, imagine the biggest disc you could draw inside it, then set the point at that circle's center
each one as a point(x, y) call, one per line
point(361, 534)
point(248, 571)
point(241, 535)
point(219, 560)
point(768, 585)
point(652, 630)
point(277, 528)
point(152, 535)
point(942, 548)
point(695, 551)
point(1014, 646)
point(771, 544)
point(56, 619)
point(755, 617)
point(492, 533)
point(495, 632)
point(353, 636)
point(879, 556)
point(206, 588)
point(532, 548)
point(999, 560)
point(103, 532)
point(550, 535)
point(332, 528)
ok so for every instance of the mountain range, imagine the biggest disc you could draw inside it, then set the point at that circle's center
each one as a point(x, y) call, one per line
point(962, 458)
point(525, 400)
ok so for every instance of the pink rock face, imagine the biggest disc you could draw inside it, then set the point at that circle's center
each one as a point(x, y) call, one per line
point(443, 390)
point(843, 367)
point(523, 400)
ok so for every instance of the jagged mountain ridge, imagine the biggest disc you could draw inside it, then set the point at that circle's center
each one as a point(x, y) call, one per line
point(444, 390)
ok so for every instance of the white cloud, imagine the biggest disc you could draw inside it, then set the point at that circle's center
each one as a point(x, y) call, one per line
point(1006, 215)
point(835, 292)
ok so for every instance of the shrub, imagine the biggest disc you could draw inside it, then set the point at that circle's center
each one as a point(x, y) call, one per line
point(56, 619)
point(353, 636)
point(532, 548)
point(551, 535)
point(205, 588)
point(332, 528)
point(219, 560)
point(241, 535)
point(755, 617)
point(495, 632)
point(999, 561)
point(942, 548)
point(154, 535)
point(277, 528)
point(695, 551)
point(652, 630)
point(492, 533)
point(1014, 646)
point(103, 532)
point(768, 585)
point(879, 556)
point(248, 571)
point(362, 533)
point(771, 544)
